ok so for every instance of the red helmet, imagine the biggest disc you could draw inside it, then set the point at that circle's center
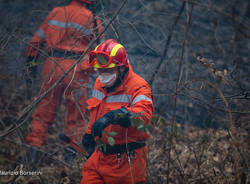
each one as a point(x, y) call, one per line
point(85, 1)
point(108, 54)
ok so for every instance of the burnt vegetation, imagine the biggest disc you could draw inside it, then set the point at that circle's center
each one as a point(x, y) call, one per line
point(195, 56)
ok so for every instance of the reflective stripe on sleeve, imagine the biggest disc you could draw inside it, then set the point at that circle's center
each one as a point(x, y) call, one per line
point(140, 98)
point(119, 98)
point(70, 25)
point(41, 33)
point(97, 94)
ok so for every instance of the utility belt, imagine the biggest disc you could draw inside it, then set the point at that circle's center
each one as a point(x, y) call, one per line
point(64, 54)
point(121, 148)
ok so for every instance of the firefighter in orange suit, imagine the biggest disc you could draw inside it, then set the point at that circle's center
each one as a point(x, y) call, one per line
point(118, 96)
point(66, 31)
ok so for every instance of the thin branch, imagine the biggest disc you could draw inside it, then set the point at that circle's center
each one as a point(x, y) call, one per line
point(211, 7)
point(117, 34)
point(141, 37)
point(32, 105)
point(178, 84)
point(157, 69)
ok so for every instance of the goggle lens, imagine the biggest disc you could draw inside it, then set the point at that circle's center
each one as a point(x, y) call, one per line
point(102, 59)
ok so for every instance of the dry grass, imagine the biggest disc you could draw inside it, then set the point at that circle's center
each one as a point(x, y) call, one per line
point(198, 155)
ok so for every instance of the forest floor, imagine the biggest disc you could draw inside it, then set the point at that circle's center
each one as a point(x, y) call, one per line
point(177, 153)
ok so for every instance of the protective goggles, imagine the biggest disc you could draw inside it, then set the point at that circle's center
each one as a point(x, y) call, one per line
point(100, 59)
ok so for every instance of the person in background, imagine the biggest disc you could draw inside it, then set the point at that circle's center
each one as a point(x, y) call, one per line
point(66, 32)
point(120, 98)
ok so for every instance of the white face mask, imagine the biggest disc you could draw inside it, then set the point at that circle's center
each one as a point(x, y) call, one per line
point(107, 79)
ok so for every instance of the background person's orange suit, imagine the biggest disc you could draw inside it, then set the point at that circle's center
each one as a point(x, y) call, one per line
point(66, 32)
point(135, 94)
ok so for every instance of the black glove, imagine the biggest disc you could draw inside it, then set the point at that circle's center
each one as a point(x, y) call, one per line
point(33, 154)
point(121, 117)
point(31, 70)
point(117, 117)
point(69, 154)
point(89, 143)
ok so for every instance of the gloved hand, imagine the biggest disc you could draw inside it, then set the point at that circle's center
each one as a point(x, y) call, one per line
point(117, 117)
point(89, 143)
point(33, 154)
point(69, 154)
point(31, 70)
point(121, 117)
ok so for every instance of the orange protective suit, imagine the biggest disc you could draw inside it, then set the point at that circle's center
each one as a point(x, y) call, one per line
point(135, 94)
point(67, 30)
